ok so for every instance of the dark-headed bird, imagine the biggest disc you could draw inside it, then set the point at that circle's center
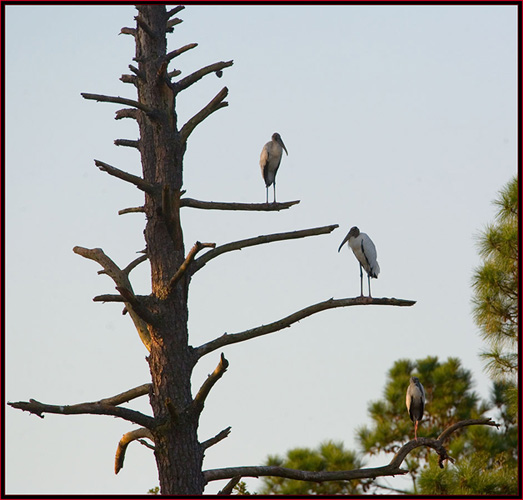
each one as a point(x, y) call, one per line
point(270, 159)
point(415, 401)
point(365, 251)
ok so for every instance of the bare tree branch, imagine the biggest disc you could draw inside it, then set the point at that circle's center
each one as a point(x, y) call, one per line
point(392, 469)
point(227, 489)
point(464, 423)
point(172, 23)
point(126, 113)
point(127, 142)
point(131, 210)
point(96, 408)
point(227, 339)
point(121, 279)
point(258, 240)
point(199, 400)
point(128, 31)
point(174, 11)
point(124, 442)
point(216, 439)
point(213, 106)
point(190, 257)
point(198, 75)
point(135, 263)
point(137, 305)
point(124, 397)
point(129, 79)
point(225, 205)
point(117, 100)
point(175, 53)
point(107, 297)
point(125, 176)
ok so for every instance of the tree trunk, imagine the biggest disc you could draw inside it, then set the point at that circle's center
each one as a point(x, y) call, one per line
point(171, 360)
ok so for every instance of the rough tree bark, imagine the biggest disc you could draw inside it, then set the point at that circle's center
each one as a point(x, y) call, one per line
point(161, 317)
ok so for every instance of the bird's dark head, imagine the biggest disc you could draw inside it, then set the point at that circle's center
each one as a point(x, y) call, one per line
point(277, 138)
point(414, 380)
point(354, 232)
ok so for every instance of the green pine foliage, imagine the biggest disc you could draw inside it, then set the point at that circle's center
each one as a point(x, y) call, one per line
point(329, 456)
point(495, 286)
point(449, 395)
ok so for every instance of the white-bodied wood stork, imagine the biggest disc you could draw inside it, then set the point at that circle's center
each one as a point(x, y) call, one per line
point(415, 401)
point(365, 251)
point(270, 159)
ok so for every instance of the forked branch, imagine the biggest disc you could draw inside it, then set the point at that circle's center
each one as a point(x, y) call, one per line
point(190, 257)
point(258, 240)
point(121, 279)
point(106, 406)
point(392, 469)
point(227, 339)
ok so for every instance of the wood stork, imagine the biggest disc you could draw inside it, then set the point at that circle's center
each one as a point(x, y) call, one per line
point(365, 251)
point(415, 401)
point(270, 159)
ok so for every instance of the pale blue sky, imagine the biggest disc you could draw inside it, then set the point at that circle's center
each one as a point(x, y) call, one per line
point(399, 119)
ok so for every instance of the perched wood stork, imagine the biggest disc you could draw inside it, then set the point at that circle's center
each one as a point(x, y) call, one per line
point(270, 159)
point(365, 251)
point(415, 401)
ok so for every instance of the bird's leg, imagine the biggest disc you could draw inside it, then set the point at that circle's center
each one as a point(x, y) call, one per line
point(267, 194)
point(361, 281)
point(274, 186)
point(416, 430)
point(368, 277)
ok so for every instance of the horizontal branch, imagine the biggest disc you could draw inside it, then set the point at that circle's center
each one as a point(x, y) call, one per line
point(128, 31)
point(96, 408)
point(131, 210)
point(107, 297)
point(198, 75)
point(392, 469)
point(225, 205)
point(227, 339)
point(117, 100)
point(259, 240)
point(126, 439)
point(126, 113)
point(127, 143)
point(125, 176)
point(198, 118)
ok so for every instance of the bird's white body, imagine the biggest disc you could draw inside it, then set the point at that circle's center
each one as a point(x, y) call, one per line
point(415, 401)
point(270, 160)
point(365, 251)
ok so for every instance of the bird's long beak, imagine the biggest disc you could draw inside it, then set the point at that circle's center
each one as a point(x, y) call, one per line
point(283, 146)
point(344, 241)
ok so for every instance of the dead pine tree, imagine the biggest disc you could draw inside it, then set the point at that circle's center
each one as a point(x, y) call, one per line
point(161, 317)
